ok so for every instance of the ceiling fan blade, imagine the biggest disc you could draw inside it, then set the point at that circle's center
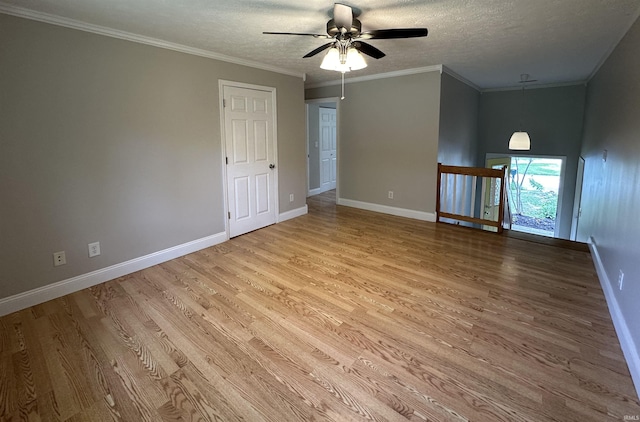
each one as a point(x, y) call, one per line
point(318, 50)
point(342, 16)
point(368, 49)
point(298, 33)
point(385, 34)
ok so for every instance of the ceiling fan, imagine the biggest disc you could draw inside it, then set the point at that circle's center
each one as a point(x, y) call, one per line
point(346, 34)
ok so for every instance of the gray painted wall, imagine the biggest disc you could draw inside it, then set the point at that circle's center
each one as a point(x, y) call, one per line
point(389, 140)
point(552, 116)
point(611, 190)
point(107, 140)
point(459, 106)
point(458, 139)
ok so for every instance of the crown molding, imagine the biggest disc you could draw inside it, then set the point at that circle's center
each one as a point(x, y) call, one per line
point(530, 87)
point(394, 74)
point(462, 79)
point(613, 46)
point(141, 39)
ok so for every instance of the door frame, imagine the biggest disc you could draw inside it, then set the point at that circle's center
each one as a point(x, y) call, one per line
point(577, 201)
point(563, 170)
point(486, 193)
point(336, 101)
point(221, 84)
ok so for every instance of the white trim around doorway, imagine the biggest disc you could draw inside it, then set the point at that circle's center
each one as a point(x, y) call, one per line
point(563, 169)
point(336, 100)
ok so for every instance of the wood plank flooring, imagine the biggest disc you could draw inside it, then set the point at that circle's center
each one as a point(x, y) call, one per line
point(339, 315)
point(551, 241)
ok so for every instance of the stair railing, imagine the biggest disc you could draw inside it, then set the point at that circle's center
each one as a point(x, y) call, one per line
point(456, 197)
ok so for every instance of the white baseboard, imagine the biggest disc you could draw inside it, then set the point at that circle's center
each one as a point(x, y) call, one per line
point(315, 191)
point(622, 330)
point(385, 209)
point(52, 291)
point(293, 213)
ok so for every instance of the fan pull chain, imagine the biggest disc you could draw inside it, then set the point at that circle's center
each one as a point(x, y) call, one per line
point(342, 97)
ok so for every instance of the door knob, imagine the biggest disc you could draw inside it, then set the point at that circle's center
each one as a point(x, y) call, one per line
point(272, 166)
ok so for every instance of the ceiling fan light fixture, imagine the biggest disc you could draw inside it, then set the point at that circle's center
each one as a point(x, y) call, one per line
point(345, 49)
point(355, 60)
point(520, 141)
point(343, 62)
point(331, 60)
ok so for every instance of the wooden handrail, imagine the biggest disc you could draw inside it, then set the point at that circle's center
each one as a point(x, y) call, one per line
point(472, 171)
point(475, 173)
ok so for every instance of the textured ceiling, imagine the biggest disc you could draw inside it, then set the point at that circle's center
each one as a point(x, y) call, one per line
point(488, 42)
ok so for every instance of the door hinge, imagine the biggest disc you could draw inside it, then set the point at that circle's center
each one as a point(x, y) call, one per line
point(229, 215)
point(226, 159)
point(224, 103)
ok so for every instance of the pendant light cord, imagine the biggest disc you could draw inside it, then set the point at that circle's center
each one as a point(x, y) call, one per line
point(342, 97)
point(524, 78)
point(522, 109)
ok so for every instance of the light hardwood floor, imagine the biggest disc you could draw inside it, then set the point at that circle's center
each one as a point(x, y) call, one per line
point(339, 315)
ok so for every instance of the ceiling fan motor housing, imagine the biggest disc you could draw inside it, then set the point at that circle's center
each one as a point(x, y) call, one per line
point(333, 30)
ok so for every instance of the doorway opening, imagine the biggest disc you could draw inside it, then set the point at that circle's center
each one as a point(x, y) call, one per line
point(322, 145)
point(534, 186)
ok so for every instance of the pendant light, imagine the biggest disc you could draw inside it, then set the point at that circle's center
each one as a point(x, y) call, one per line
point(520, 139)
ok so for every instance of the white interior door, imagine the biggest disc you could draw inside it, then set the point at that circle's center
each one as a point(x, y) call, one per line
point(327, 149)
point(250, 157)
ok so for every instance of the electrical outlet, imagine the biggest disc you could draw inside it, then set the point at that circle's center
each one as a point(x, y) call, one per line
point(59, 258)
point(620, 279)
point(94, 249)
point(390, 194)
point(290, 197)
